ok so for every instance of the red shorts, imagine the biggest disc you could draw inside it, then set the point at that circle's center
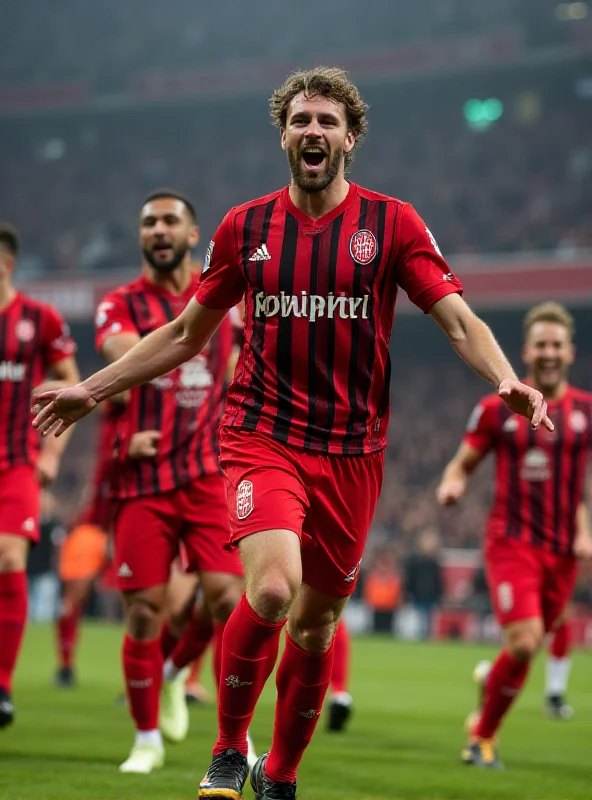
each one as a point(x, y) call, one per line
point(327, 500)
point(526, 582)
point(19, 502)
point(149, 530)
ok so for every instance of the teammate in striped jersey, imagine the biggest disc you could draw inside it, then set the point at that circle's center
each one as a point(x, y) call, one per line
point(167, 480)
point(319, 264)
point(538, 524)
point(34, 342)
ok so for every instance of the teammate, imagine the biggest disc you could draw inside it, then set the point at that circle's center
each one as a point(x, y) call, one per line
point(169, 487)
point(538, 524)
point(340, 700)
point(34, 342)
point(319, 264)
point(84, 552)
point(558, 668)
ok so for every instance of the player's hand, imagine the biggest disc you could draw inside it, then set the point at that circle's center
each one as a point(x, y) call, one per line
point(526, 401)
point(56, 410)
point(144, 444)
point(46, 471)
point(582, 546)
point(450, 492)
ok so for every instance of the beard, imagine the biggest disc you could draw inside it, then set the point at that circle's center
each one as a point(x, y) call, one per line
point(165, 266)
point(319, 182)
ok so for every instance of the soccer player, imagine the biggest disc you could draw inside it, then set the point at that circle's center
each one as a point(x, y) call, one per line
point(538, 523)
point(340, 700)
point(34, 342)
point(319, 264)
point(558, 669)
point(167, 479)
point(84, 552)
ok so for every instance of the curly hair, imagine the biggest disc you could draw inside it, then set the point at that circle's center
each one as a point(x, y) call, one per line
point(331, 82)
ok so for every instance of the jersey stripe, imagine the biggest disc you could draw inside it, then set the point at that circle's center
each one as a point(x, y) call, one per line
point(557, 488)
point(537, 503)
point(283, 419)
point(250, 230)
point(331, 343)
point(353, 374)
point(313, 288)
point(514, 495)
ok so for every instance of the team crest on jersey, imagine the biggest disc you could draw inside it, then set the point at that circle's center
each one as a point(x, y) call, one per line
point(511, 424)
point(363, 246)
point(24, 330)
point(577, 421)
point(244, 499)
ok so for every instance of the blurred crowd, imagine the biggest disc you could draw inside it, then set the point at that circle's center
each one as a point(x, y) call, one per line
point(73, 186)
point(103, 42)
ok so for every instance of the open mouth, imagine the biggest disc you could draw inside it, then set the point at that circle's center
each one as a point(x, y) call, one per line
point(313, 157)
point(163, 249)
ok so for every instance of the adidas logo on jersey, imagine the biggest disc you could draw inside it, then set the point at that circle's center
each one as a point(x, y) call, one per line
point(261, 254)
point(124, 571)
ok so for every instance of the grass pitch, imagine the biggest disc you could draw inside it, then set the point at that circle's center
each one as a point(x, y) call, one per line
point(403, 743)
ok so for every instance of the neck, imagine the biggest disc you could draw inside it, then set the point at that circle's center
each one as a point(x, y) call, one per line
point(7, 293)
point(317, 204)
point(176, 281)
point(555, 393)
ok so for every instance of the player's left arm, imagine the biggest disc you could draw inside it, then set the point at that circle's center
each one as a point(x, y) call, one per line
point(426, 277)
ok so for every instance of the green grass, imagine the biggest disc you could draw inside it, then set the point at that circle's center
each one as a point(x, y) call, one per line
point(403, 743)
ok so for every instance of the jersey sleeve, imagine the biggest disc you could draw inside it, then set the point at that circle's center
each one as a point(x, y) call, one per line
point(222, 282)
point(481, 427)
point(421, 269)
point(112, 318)
point(57, 340)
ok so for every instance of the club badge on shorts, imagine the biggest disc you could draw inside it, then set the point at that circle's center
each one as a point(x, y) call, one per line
point(244, 499)
point(363, 246)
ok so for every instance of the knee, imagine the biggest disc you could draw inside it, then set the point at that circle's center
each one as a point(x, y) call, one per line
point(524, 644)
point(12, 560)
point(314, 636)
point(222, 606)
point(272, 595)
point(143, 619)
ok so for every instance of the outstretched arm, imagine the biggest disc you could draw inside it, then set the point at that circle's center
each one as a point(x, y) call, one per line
point(158, 353)
point(475, 343)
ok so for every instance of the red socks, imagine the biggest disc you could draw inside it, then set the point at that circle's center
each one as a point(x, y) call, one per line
point(142, 668)
point(302, 682)
point(219, 628)
point(168, 641)
point(561, 641)
point(13, 617)
point(249, 652)
point(341, 658)
point(503, 685)
point(196, 637)
point(67, 636)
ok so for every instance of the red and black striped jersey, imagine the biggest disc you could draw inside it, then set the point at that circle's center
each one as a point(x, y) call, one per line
point(540, 474)
point(185, 405)
point(98, 506)
point(33, 337)
point(314, 369)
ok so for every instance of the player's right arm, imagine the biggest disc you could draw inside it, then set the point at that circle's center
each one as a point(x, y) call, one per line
point(455, 477)
point(223, 285)
point(479, 438)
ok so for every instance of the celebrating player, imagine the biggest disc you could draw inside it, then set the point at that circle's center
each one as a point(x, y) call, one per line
point(34, 341)
point(167, 477)
point(538, 524)
point(319, 264)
